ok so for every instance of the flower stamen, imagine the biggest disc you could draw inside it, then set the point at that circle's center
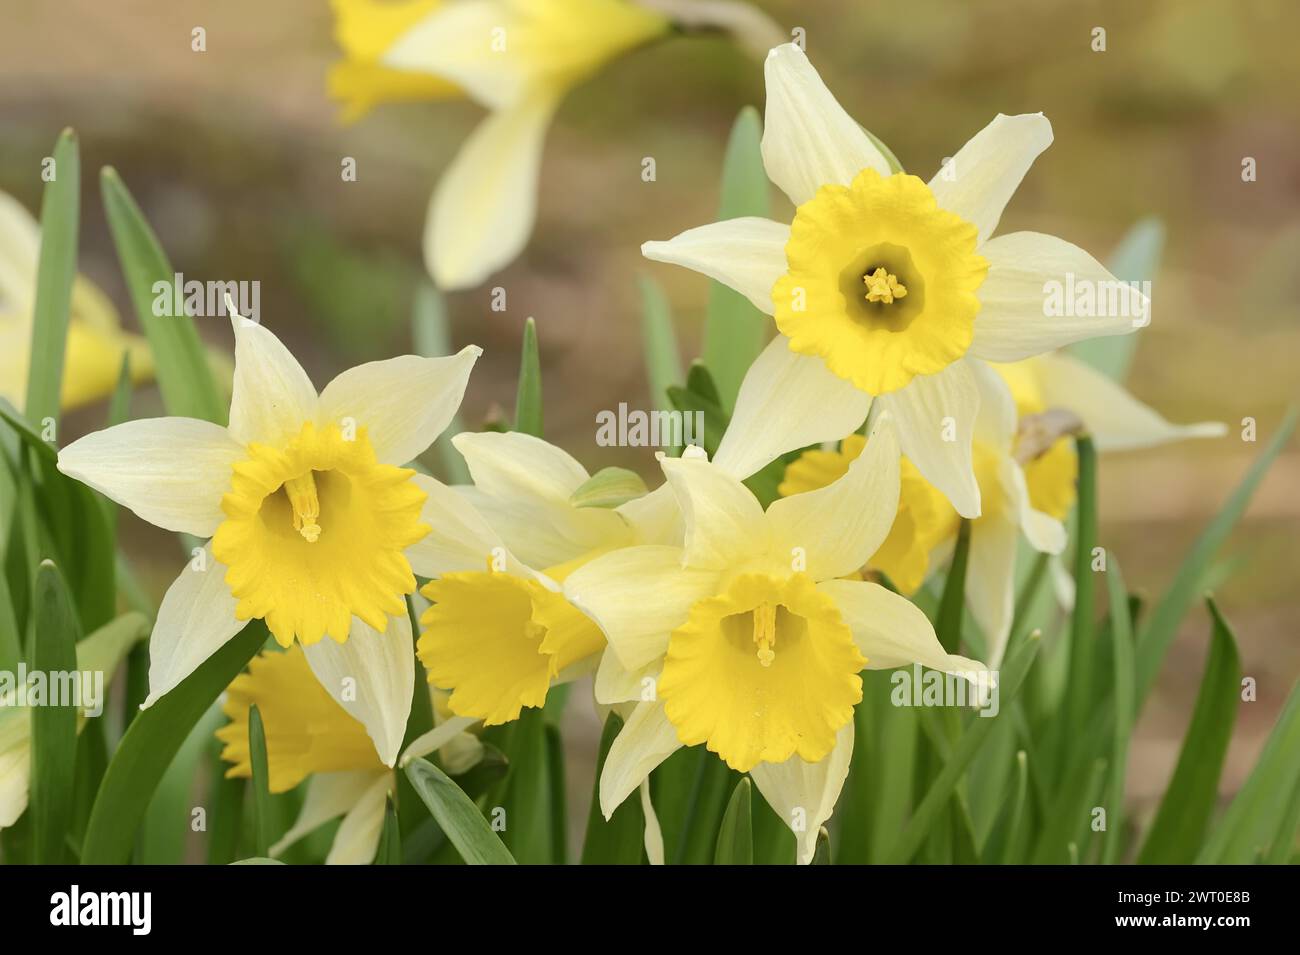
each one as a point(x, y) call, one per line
point(301, 492)
point(883, 286)
point(765, 632)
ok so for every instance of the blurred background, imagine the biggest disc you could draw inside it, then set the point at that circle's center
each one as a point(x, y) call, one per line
point(234, 155)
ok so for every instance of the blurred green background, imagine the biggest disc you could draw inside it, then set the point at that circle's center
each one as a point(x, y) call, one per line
point(235, 153)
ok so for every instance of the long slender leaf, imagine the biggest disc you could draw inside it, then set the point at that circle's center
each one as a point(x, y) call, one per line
point(1082, 624)
point(54, 724)
point(736, 834)
point(663, 362)
point(261, 782)
point(55, 273)
point(1121, 632)
point(528, 401)
point(181, 365)
point(459, 819)
point(390, 838)
point(151, 742)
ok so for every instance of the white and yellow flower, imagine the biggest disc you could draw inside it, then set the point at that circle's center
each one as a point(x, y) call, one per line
point(517, 58)
point(95, 344)
point(751, 634)
point(313, 736)
point(314, 526)
point(888, 287)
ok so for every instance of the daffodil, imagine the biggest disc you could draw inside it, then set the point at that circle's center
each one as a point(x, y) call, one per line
point(313, 736)
point(753, 633)
point(517, 58)
point(886, 287)
point(101, 652)
point(314, 526)
point(95, 343)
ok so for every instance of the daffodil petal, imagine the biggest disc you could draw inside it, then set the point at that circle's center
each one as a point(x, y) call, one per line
point(654, 837)
point(725, 523)
point(171, 472)
point(654, 518)
point(328, 796)
point(804, 794)
point(787, 401)
point(15, 763)
point(1116, 420)
point(616, 684)
point(838, 527)
point(645, 741)
point(890, 630)
point(483, 207)
point(935, 417)
point(809, 140)
point(1028, 273)
point(195, 619)
point(404, 403)
point(272, 396)
point(990, 580)
point(978, 182)
point(638, 596)
point(514, 464)
point(358, 837)
point(746, 254)
point(372, 676)
point(438, 737)
point(1045, 533)
point(459, 537)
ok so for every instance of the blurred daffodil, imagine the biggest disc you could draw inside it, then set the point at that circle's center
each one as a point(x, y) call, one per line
point(315, 527)
point(517, 58)
point(313, 736)
point(95, 344)
point(888, 287)
point(754, 633)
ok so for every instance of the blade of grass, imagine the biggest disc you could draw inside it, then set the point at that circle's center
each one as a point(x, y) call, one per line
point(736, 834)
point(1082, 625)
point(1121, 631)
point(459, 819)
point(618, 840)
point(528, 401)
point(663, 361)
point(390, 839)
point(261, 782)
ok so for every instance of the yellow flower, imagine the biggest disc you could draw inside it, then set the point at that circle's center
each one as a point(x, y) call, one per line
point(891, 289)
point(750, 633)
point(925, 518)
point(315, 527)
point(95, 343)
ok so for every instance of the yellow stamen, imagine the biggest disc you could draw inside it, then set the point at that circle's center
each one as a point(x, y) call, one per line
point(765, 632)
point(883, 286)
point(306, 506)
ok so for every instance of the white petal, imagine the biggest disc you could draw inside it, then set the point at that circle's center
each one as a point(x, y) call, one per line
point(838, 527)
point(654, 837)
point(195, 620)
point(990, 580)
point(645, 741)
point(372, 676)
point(513, 464)
point(655, 518)
point(272, 397)
point(172, 472)
point(890, 630)
point(638, 596)
point(997, 420)
point(978, 182)
point(358, 837)
point(483, 207)
point(456, 43)
point(403, 403)
point(725, 524)
point(809, 140)
point(616, 684)
point(1116, 420)
point(459, 537)
point(928, 412)
point(1032, 275)
point(1045, 533)
point(15, 761)
point(329, 795)
point(804, 794)
point(787, 401)
point(437, 738)
point(746, 254)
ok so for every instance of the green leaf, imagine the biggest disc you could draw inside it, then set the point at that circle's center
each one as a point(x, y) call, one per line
point(527, 801)
point(181, 364)
point(555, 778)
point(1188, 803)
point(166, 830)
point(736, 834)
point(968, 746)
point(609, 487)
point(1136, 259)
point(822, 851)
point(528, 401)
point(618, 840)
point(1162, 625)
point(458, 818)
point(390, 839)
point(894, 164)
point(261, 782)
point(734, 330)
point(29, 435)
point(55, 273)
point(54, 727)
point(149, 745)
point(1121, 633)
point(947, 624)
point(1082, 624)
point(663, 362)
point(257, 860)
